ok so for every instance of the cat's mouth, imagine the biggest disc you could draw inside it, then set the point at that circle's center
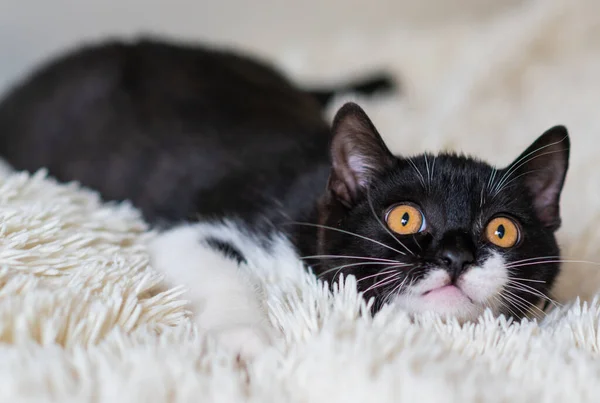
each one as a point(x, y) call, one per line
point(463, 298)
point(447, 292)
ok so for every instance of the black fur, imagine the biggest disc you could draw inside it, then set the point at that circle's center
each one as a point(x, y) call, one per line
point(226, 249)
point(183, 132)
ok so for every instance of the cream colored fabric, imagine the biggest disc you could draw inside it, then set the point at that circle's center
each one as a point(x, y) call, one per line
point(83, 318)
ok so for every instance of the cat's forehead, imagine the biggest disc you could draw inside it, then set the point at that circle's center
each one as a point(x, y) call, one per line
point(453, 189)
point(445, 173)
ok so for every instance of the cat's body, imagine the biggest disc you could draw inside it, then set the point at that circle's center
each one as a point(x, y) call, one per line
point(189, 134)
point(185, 133)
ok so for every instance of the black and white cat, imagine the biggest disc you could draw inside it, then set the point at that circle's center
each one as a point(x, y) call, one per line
point(192, 135)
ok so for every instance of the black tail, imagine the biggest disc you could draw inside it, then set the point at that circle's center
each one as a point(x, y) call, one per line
point(371, 85)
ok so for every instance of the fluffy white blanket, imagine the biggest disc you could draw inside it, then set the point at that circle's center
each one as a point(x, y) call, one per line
point(83, 316)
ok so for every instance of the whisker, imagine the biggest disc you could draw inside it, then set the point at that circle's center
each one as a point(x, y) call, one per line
point(523, 309)
point(505, 186)
point(432, 170)
point(551, 261)
point(503, 303)
point(428, 176)
point(528, 279)
point(417, 242)
point(481, 198)
point(522, 279)
point(395, 277)
point(394, 290)
point(518, 163)
point(488, 303)
point(529, 289)
point(350, 265)
point(401, 265)
point(536, 258)
point(349, 257)
point(534, 292)
point(507, 176)
point(492, 177)
point(527, 303)
point(488, 186)
point(401, 284)
point(422, 179)
point(383, 282)
point(375, 275)
point(348, 233)
point(384, 226)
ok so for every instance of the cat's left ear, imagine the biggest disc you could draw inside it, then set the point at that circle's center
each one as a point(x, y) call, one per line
point(542, 168)
point(358, 154)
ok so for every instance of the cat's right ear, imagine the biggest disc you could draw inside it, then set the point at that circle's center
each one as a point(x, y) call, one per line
point(542, 169)
point(358, 154)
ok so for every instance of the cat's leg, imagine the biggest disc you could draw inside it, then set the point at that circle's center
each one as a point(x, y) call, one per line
point(224, 302)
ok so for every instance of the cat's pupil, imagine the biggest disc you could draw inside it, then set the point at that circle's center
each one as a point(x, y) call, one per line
point(500, 231)
point(405, 218)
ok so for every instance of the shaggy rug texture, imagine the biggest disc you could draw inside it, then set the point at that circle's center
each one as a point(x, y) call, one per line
point(84, 317)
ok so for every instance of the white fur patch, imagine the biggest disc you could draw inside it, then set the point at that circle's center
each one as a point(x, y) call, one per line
point(483, 283)
point(224, 300)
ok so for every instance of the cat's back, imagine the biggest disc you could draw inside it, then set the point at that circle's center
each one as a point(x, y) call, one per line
point(168, 126)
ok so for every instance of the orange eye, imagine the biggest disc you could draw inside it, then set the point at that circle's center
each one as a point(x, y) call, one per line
point(405, 219)
point(503, 232)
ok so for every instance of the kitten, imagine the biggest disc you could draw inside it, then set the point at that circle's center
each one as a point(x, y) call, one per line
point(445, 233)
point(192, 135)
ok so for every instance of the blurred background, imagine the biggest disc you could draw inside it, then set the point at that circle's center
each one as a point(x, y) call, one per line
point(31, 30)
point(482, 76)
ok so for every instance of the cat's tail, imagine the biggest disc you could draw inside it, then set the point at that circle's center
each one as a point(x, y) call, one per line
point(373, 84)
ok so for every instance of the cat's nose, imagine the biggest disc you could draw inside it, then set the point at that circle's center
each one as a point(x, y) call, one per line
point(457, 259)
point(456, 254)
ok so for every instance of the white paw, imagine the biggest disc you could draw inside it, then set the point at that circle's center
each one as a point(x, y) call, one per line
point(224, 301)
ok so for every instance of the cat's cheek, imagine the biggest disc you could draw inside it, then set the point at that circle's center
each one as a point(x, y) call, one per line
point(483, 284)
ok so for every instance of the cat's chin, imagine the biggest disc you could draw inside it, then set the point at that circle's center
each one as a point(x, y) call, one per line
point(448, 301)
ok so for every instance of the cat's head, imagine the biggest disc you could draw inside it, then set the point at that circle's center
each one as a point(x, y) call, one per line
point(444, 233)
